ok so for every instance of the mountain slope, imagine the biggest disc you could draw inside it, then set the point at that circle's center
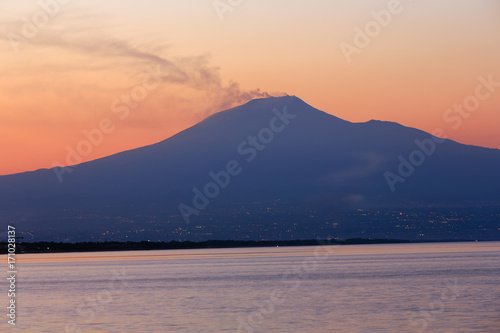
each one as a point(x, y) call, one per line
point(303, 155)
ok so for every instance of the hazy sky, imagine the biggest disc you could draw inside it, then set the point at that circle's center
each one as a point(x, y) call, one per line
point(67, 65)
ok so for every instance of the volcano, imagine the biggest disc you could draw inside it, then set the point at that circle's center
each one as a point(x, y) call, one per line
point(273, 150)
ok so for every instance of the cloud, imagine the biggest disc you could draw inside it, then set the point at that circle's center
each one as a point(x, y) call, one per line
point(367, 164)
point(99, 47)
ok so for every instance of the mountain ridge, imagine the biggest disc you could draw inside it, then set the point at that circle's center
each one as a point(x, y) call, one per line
point(311, 159)
point(252, 102)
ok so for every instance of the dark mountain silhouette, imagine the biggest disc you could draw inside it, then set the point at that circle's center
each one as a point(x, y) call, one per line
point(297, 154)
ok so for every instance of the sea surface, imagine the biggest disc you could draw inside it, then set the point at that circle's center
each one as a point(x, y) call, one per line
point(433, 287)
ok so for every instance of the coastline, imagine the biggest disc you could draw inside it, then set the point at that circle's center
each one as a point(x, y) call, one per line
point(112, 246)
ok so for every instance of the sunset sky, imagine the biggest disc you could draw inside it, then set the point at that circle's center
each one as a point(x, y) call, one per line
point(68, 71)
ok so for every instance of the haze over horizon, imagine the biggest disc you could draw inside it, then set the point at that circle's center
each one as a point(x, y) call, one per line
point(73, 70)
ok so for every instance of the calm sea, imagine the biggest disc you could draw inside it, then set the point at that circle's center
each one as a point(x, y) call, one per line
point(439, 287)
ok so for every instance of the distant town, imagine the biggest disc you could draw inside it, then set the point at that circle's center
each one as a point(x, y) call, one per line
point(275, 221)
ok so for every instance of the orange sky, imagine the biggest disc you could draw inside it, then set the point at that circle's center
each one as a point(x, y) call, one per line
point(70, 72)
